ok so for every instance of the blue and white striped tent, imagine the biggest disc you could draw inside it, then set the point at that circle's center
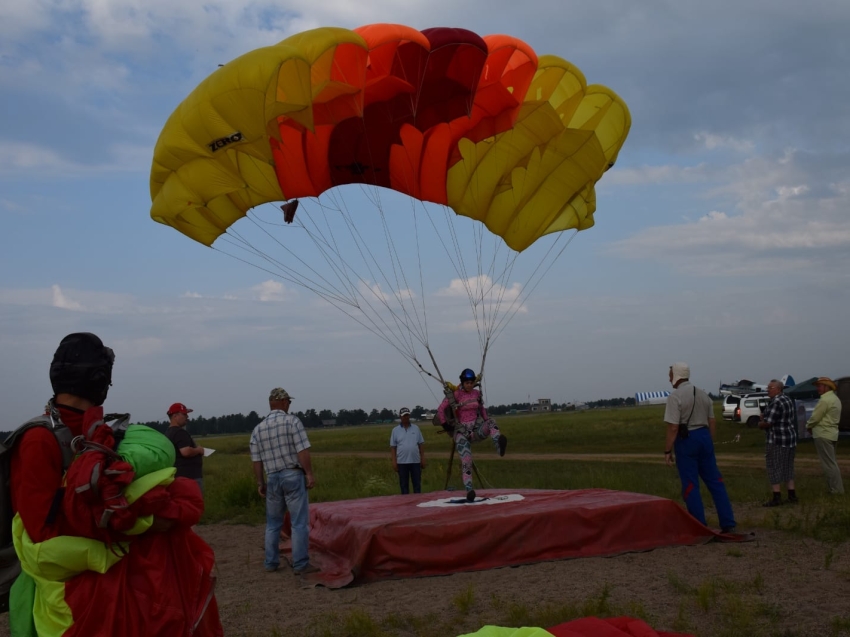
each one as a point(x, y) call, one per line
point(651, 397)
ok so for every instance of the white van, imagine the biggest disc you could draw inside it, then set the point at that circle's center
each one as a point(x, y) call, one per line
point(730, 404)
point(750, 409)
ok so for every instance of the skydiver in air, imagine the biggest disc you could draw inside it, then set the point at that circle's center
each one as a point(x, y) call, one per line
point(463, 415)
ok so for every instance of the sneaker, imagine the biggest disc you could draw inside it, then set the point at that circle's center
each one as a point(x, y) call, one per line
point(307, 569)
point(792, 499)
point(727, 529)
point(503, 444)
point(773, 503)
point(272, 569)
point(470, 495)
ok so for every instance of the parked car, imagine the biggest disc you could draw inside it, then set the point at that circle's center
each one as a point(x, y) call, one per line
point(730, 404)
point(750, 409)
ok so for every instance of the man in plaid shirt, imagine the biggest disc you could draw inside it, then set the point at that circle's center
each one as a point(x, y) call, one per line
point(778, 422)
point(280, 452)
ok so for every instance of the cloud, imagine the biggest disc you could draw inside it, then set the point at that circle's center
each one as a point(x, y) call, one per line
point(374, 293)
point(87, 302)
point(26, 157)
point(785, 215)
point(60, 301)
point(18, 158)
point(271, 291)
point(139, 347)
point(712, 141)
point(12, 206)
point(481, 287)
point(668, 174)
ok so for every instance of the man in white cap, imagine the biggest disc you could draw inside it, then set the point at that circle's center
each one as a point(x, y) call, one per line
point(408, 453)
point(690, 432)
point(280, 452)
point(824, 427)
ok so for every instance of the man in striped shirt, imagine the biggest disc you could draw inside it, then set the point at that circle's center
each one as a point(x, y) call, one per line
point(280, 452)
point(781, 442)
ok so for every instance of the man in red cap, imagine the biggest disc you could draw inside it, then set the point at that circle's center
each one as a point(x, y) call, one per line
point(190, 457)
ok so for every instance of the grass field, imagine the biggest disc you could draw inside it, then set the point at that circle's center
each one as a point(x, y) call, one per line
point(353, 462)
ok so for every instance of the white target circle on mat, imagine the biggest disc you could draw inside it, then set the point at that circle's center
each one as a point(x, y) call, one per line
point(460, 500)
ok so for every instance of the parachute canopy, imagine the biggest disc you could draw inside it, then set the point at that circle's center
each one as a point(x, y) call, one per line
point(480, 124)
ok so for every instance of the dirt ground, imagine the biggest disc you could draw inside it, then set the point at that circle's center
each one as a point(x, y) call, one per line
point(780, 584)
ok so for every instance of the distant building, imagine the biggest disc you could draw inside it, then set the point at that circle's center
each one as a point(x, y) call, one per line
point(543, 404)
point(329, 422)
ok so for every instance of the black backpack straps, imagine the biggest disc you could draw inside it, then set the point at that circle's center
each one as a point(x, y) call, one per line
point(12, 438)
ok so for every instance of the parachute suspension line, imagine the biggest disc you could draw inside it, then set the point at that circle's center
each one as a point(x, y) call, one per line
point(340, 304)
point(335, 300)
point(361, 246)
point(502, 280)
point(421, 279)
point(523, 297)
point(423, 335)
point(461, 269)
point(337, 303)
point(402, 336)
point(323, 245)
point(319, 241)
point(284, 272)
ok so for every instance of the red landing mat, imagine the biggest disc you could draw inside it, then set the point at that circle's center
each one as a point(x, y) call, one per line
point(440, 533)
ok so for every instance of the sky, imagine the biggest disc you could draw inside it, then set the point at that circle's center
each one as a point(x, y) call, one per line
point(722, 234)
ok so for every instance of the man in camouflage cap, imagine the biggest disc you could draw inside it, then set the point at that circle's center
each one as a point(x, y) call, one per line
point(280, 452)
point(279, 393)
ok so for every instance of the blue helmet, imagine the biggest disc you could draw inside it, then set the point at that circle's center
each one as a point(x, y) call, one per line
point(466, 375)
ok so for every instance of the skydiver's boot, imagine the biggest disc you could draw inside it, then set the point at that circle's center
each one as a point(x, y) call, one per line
point(470, 495)
point(503, 444)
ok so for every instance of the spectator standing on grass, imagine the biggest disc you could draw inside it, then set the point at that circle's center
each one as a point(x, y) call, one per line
point(824, 427)
point(190, 457)
point(778, 422)
point(690, 433)
point(408, 453)
point(280, 452)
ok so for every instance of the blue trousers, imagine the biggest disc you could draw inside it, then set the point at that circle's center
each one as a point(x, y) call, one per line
point(694, 460)
point(410, 472)
point(287, 489)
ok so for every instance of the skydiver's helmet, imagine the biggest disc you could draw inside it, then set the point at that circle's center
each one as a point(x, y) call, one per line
point(82, 366)
point(466, 375)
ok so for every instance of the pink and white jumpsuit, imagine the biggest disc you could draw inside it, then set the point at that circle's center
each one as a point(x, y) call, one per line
point(470, 428)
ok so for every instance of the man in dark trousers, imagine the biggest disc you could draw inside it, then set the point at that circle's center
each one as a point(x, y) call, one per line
point(408, 454)
point(190, 457)
point(690, 446)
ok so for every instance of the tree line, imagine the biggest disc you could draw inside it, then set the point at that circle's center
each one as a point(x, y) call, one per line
point(239, 423)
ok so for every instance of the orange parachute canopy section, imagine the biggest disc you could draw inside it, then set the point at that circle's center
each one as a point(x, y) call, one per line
point(480, 124)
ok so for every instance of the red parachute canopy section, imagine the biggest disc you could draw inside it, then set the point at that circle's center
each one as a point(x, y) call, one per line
point(408, 100)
